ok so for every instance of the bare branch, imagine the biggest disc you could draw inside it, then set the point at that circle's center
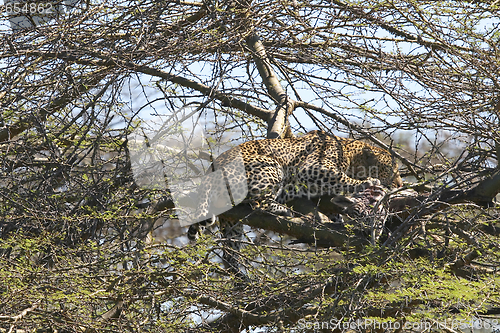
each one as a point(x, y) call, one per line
point(278, 121)
point(89, 82)
point(21, 315)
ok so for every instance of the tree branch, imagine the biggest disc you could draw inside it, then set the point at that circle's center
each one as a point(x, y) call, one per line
point(305, 229)
point(108, 61)
point(21, 315)
point(9, 132)
point(278, 122)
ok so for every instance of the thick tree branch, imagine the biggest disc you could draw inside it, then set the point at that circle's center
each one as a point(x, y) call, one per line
point(204, 89)
point(482, 195)
point(311, 229)
point(278, 122)
point(306, 230)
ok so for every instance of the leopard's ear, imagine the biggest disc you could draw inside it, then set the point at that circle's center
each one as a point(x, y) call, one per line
point(370, 156)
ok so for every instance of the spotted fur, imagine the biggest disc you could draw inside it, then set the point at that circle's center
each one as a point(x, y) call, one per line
point(271, 172)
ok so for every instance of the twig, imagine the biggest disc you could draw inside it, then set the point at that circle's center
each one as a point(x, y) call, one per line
point(15, 319)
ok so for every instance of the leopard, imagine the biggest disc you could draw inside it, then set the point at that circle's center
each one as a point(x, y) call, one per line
point(268, 173)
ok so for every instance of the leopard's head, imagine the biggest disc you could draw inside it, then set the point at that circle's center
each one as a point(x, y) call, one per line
point(373, 162)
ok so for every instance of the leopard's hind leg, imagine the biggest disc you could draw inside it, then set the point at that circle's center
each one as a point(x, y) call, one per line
point(233, 235)
point(266, 178)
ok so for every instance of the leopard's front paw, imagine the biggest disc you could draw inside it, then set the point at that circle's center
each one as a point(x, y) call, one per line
point(373, 181)
point(369, 182)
